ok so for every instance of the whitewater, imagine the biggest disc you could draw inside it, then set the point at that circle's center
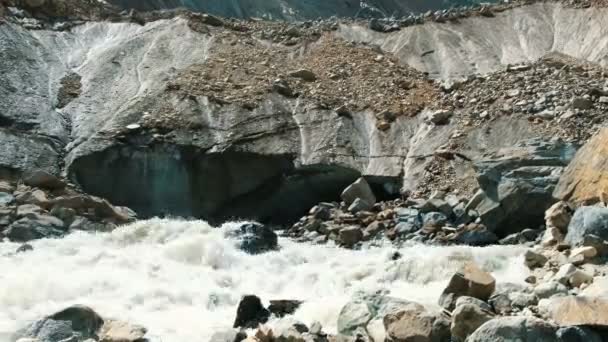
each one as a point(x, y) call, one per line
point(183, 279)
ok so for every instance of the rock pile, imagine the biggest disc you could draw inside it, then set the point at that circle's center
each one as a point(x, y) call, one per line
point(44, 206)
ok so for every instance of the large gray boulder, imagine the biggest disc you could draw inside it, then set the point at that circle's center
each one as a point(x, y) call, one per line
point(33, 227)
point(509, 329)
point(76, 323)
point(517, 184)
point(587, 221)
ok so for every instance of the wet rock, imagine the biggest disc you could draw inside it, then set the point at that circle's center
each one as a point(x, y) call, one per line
point(255, 238)
point(282, 308)
point(250, 313)
point(521, 329)
point(501, 303)
point(35, 227)
point(472, 282)
point(43, 179)
point(359, 189)
point(366, 309)
point(534, 260)
point(76, 323)
point(350, 236)
point(577, 334)
point(119, 331)
point(476, 235)
point(6, 198)
point(84, 224)
point(304, 74)
point(466, 318)
point(578, 310)
point(321, 212)
point(517, 184)
point(550, 289)
point(587, 221)
point(26, 247)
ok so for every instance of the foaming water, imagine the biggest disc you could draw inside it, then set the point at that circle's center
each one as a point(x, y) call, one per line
point(184, 279)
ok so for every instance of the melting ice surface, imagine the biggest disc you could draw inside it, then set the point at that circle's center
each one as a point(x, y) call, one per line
point(183, 279)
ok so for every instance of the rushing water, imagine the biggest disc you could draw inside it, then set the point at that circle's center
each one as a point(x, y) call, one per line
point(183, 279)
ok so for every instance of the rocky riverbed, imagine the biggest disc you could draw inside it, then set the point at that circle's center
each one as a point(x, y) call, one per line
point(177, 176)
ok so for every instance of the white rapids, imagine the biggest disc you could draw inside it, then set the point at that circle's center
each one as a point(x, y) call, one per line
point(183, 279)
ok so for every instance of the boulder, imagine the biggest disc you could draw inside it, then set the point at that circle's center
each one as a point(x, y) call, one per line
point(550, 289)
point(101, 207)
point(559, 216)
point(581, 103)
point(26, 247)
point(577, 334)
point(35, 227)
point(584, 179)
point(600, 245)
point(412, 324)
point(119, 331)
point(517, 183)
point(599, 288)
point(552, 236)
point(43, 179)
point(282, 308)
point(254, 238)
point(250, 313)
point(359, 189)
point(587, 252)
point(437, 204)
point(360, 205)
point(364, 309)
point(578, 310)
point(350, 236)
point(534, 259)
point(472, 282)
point(66, 215)
point(569, 274)
point(434, 219)
point(520, 329)
point(305, 74)
point(587, 221)
point(476, 235)
point(466, 318)
point(76, 323)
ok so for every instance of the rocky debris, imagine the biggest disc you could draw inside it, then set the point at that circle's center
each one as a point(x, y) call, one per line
point(578, 311)
point(583, 181)
point(559, 216)
point(54, 210)
point(254, 238)
point(517, 184)
point(524, 329)
point(471, 282)
point(250, 313)
point(587, 221)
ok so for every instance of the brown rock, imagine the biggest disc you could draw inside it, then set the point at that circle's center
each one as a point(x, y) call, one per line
point(534, 260)
point(467, 318)
point(472, 282)
point(559, 216)
point(349, 236)
point(584, 179)
point(578, 310)
point(413, 324)
point(43, 179)
point(117, 331)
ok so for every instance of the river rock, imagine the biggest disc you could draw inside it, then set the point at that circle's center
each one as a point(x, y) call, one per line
point(559, 216)
point(587, 252)
point(517, 184)
point(250, 313)
point(26, 247)
point(466, 318)
point(599, 288)
point(552, 236)
point(35, 227)
point(550, 289)
point(364, 309)
point(600, 245)
point(578, 310)
point(584, 179)
point(520, 329)
point(359, 189)
point(66, 215)
point(534, 259)
point(350, 236)
point(119, 331)
point(282, 308)
point(43, 179)
point(76, 323)
point(254, 238)
point(472, 282)
point(577, 334)
point(359, 205)
point(412, 324)
point(587, 221)
point(570, 274)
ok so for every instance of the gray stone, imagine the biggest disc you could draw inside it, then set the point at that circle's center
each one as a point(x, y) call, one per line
point(35, 227)
point(471, 282)
point(581, 103)
point(435, 219)
point(360, 205)
point(43, 179)
point(534, 259)
point(6, 198)
point(350, 236)
point(359, 189)
point(521, 329)
point(550, 289)
point(587, 221)
point(466, 318)
point(600, 245)
point(517, 184)
point(67, 215)
point(254, 238)
point(79, 322)
point(365, 308)
point(479, 235)
point(437, 204)
point(250, 313)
